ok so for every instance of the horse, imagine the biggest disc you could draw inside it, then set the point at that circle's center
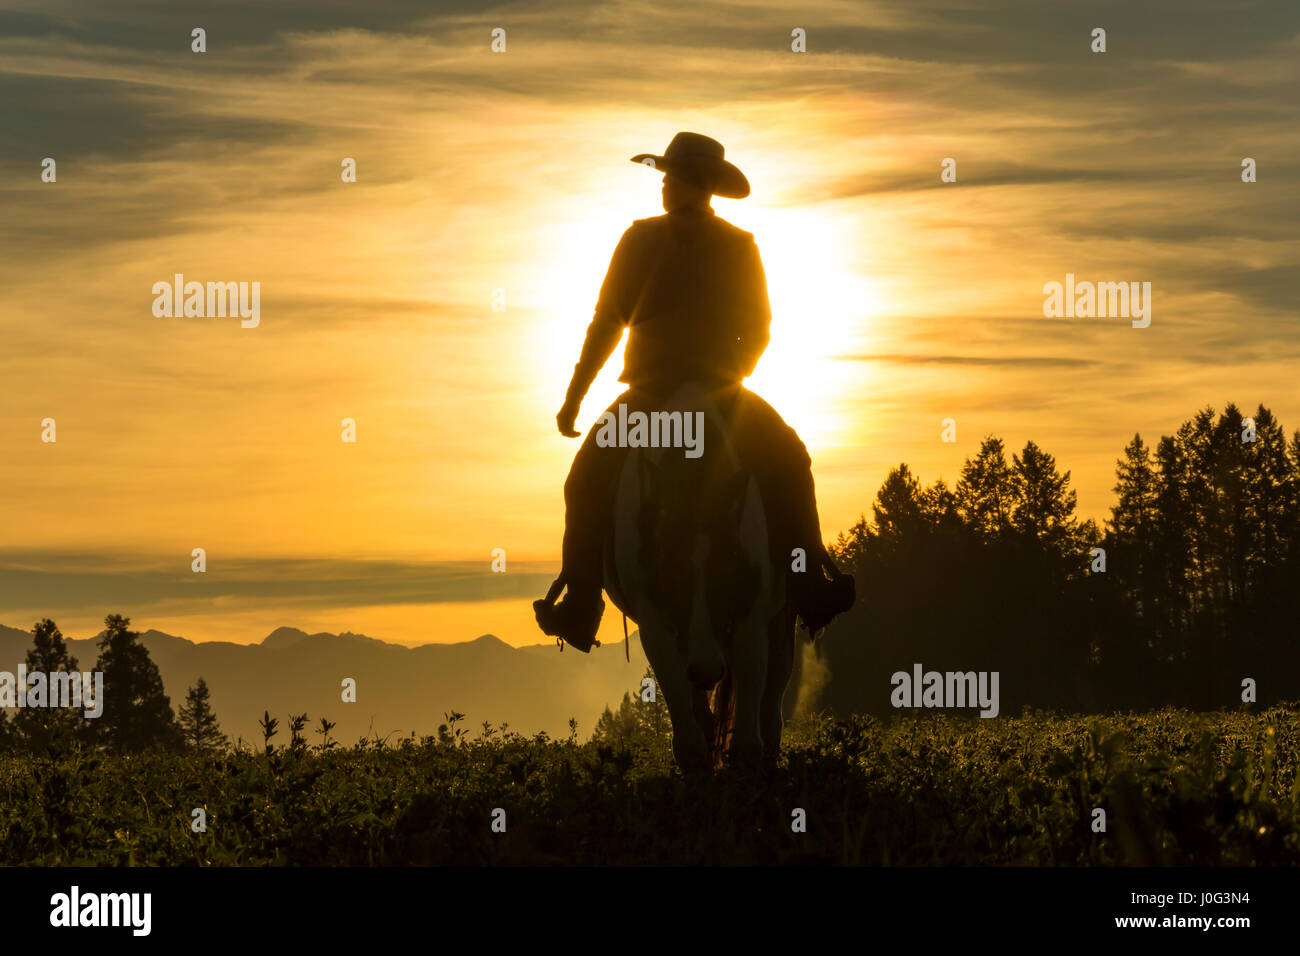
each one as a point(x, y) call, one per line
point(689, 558)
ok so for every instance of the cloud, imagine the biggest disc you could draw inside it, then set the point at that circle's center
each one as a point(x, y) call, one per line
point(102, 581)
point(1014, 361)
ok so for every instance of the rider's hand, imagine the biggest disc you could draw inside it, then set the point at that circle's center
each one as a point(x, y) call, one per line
point(564, 420)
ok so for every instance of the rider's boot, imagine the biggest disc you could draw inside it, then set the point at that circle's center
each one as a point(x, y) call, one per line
point(818, 599)
point(576, 619)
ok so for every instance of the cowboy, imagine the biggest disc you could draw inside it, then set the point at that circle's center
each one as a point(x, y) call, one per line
point(690, 288)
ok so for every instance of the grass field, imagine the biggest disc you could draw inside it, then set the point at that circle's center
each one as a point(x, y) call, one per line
point(1176, 787)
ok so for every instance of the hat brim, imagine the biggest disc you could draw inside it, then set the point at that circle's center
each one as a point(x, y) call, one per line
point(724, 179)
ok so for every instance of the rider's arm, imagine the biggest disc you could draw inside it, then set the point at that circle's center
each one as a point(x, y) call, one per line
point(755, 311)
point(606, 328)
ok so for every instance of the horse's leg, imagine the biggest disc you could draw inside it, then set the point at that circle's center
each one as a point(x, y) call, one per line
point(689, 746)
point(780, 664)
point(749, 673)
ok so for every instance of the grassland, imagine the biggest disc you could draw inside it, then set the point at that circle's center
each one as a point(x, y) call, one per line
point(1177, 788)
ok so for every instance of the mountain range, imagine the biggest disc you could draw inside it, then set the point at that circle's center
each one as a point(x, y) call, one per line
point(399, 689)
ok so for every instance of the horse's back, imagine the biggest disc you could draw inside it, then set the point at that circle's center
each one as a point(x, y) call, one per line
point(662, 488)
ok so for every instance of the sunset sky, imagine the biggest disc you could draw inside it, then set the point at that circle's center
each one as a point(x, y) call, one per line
point(898, 300)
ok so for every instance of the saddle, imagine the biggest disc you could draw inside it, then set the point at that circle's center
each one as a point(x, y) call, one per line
point(765, 448)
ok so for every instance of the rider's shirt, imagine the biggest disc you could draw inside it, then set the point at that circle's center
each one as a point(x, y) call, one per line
point(690, 287)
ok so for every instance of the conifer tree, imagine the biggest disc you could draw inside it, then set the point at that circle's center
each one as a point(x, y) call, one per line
point(635, 718)
point(41, 727)
point(984, 490)
point(137, 714)
point(198, 724)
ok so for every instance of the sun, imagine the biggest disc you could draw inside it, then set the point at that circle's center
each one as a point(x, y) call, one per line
point(821, 308)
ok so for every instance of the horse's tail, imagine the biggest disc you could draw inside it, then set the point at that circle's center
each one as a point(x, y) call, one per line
point(722, 704)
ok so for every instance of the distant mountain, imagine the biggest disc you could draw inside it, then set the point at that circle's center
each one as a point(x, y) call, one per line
point(399, 689)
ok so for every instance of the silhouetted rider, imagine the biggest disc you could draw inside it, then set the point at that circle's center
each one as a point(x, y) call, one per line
point(690, 288)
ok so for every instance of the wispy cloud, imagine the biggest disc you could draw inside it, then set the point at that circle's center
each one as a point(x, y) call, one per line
point(993, 361)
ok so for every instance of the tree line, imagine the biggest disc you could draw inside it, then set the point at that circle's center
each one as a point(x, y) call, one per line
point(137, 714)
point(1186, 591)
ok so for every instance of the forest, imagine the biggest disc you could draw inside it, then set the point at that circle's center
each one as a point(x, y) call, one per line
point(1186, 591)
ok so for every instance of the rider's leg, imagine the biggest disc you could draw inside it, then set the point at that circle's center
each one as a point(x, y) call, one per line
point(588, 493)
point(785, 472)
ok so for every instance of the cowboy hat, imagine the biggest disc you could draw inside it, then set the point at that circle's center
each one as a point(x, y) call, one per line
point(698, 160)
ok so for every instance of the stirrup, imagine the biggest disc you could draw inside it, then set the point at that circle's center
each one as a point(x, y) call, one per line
point(568, 623)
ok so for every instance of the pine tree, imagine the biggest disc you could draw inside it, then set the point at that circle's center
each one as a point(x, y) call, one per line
point(851, 546)
point(1133, 526)
point(137, 714)
point(939, 508)
point(985, 492)
point(898, 507)
point(1268, 508)
point(1174, 547)
point(198, 724)
point(42, 727)
point(1133, 516)
point(1044, 504)
point(635, 718)
point(1293, 527)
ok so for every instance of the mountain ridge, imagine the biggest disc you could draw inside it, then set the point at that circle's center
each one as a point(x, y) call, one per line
point(400, 689)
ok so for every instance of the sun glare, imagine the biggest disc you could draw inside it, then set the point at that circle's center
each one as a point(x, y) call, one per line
point(820, 309)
